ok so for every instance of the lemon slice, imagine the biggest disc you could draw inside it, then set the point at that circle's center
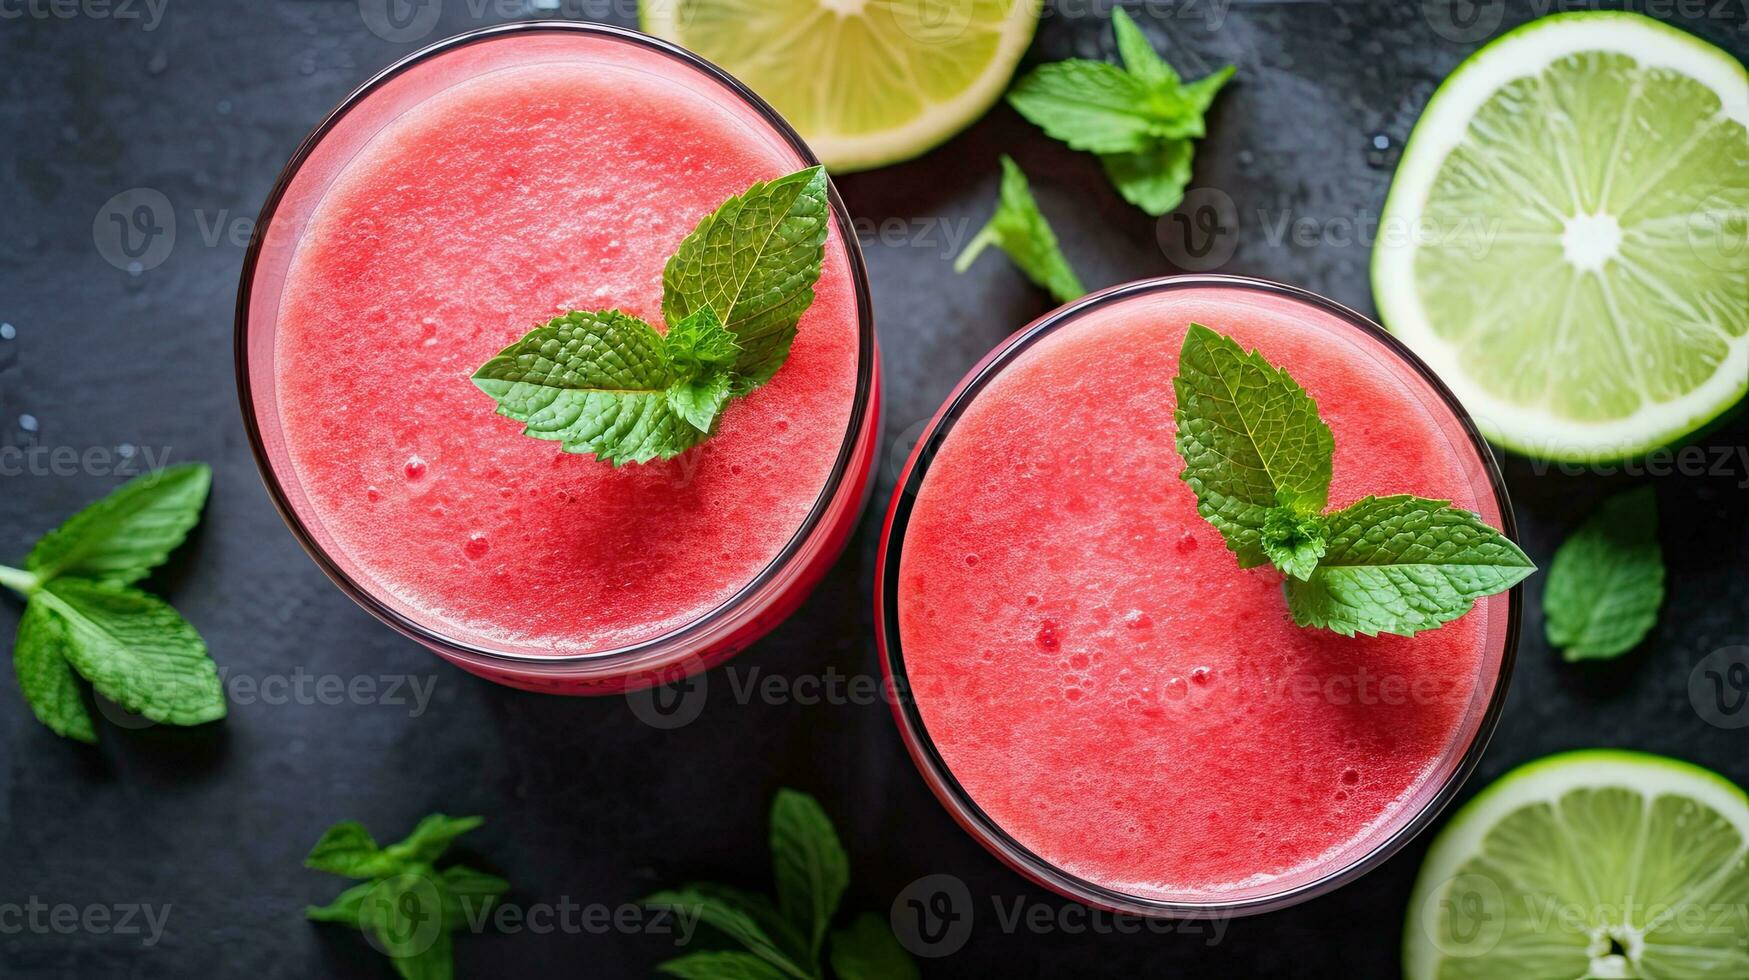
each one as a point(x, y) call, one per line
point(866, 82)
point(1566, 241)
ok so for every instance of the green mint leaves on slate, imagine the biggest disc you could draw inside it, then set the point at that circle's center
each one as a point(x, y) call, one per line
point(84, 618)
point(1607, 580)
point(405, 905)
point(1019, 229)
point(1258, 458)
point(783, 940)
point(1139, 119)
point(608, 384)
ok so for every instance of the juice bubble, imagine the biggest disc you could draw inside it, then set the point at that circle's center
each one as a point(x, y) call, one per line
point(477, 546)
point(416, 467)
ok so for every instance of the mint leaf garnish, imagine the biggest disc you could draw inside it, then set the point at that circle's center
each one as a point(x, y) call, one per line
point(82, 617)
point(408, 907)
point(136, 651)
point(808, 863)
point(784, 939)
point(1258, 457)
point(609, 384)
point(754, 261)
point(1251, 439)
point(39, 658)
point(1019, 229)
point(1607, 580)
point(1402, 565)
point(868, 951)
point(125, 535)
point(1140, 119)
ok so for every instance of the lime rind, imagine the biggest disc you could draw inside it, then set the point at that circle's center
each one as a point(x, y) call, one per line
point(1529, 829)
point(866, 82)
point(1698, 370)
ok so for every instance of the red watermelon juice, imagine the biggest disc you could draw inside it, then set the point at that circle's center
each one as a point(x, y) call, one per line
point(1098, 691)
point(475, 191)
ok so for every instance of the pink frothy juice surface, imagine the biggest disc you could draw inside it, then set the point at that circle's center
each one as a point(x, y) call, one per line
point(1098, 673)
point(515, 180)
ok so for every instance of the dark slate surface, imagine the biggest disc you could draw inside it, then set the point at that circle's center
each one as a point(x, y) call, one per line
point(202, 102)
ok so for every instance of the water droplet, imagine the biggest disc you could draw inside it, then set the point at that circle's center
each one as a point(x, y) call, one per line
point(27, 422)
point(308, 67)
point(8, 331)
point(224, 107)
point(134, 268)
point(1047, 636)
point(477, 546)
point(415, 468)
point(125, 450)
point(156, 64)
point(1380, 152)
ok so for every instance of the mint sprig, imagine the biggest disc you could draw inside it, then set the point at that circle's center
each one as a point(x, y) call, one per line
point(1259, 458)
point(1020, 229)
point(84, 618)
point(783, 940)
point(1607, 580)
point(406, 905)
point(609, 384)
point(1140, 119)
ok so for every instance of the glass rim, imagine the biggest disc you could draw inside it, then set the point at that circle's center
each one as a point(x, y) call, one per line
point(411, 627)
point(915, 732)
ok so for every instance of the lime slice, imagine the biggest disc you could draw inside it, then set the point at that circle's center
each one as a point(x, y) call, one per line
point(1566, 241)
point(866, 82)
point(1587, 864)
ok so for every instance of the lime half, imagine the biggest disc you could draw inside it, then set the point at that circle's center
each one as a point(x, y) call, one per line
point(1566, 241)
point(1587, 864)
point(866, 82)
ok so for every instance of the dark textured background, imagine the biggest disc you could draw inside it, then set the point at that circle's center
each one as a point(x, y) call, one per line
point(585, 802)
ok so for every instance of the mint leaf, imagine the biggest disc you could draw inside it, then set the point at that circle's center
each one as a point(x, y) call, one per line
point(1401, 565)
point(45, 678)
point(721, 966)
point(1607, 580)
point(1293, 543)
point(432, 836)
point(1019, 229)
point(808, 864)
point(754, 261)
point(609, 384)
point(136, 651)
point(1090, 105)
point(1154, 177)
point(868, 951)
point(1140, 119)
point(347, 849)
point(1139, 57)
point(347, 909)
point(1251, 439)
point(122, 537)
point(715, 910)
point(407, 905)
